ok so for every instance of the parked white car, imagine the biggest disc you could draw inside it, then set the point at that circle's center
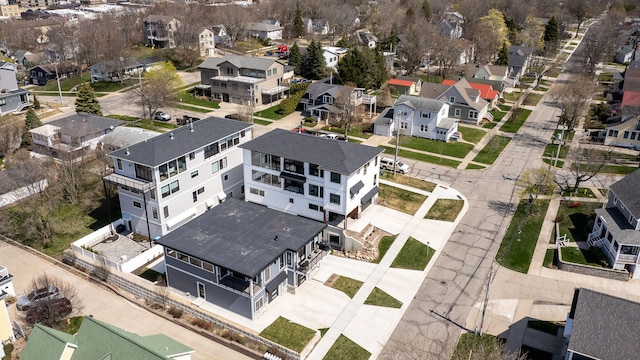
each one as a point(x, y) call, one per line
point(25, 302)
point(387, 164)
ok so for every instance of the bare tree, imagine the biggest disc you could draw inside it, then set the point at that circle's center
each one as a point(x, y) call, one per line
point(536, 181)
point(584, 164)
point(48, 313)
point(600, 41)
point(235, 19)
point(11, 129)
point(573, 98)
point(581, 10)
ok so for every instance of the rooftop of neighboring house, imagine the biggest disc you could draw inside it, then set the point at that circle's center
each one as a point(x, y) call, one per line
point(180, 141)
point(386, 117)
point(78, 125)
point(338, 156)
point(11, 179)
point(618, 226)
point(486, 90)
point(263, 27)
point(242, 236)
point(604, 326)
point(400, 82)
point(469, 94)
point(497, 70)
point(626, 190)
point(123, 136)
point(241, 62)
point(320, 88)
point(518, 55)
point(420, 103)
point(630, 98)
point(433, 90)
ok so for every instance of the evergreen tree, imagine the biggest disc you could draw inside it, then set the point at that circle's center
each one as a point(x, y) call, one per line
point(295, 58)
point(298, 25)
point(362, 67)
point(503, 55)
point(343, 42)
point(31, 121)
point(314, 66)
point(36, 102)
point(551, 34)
point(86, 100)
point(512, 31)
point(426, 10)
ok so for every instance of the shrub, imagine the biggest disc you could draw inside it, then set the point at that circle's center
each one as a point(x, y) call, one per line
point(203, 324)
point(175, 312)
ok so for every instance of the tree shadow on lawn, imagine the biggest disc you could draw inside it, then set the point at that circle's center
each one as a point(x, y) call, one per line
point(581, 224)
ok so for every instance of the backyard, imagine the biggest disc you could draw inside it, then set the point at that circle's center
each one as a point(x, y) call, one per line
point(573, 221)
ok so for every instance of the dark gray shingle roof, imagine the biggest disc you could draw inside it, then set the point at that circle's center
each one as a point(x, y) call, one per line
point(83, 124)
point(163, 148)
point(604, 326)
point(241, 62)
point(421, 103)
point(338, 156)
point(627, 191)
point(240, 235)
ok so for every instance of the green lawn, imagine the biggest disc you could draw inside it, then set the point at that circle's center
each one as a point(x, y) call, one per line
point(581, 192)
point(261, 122)
point(470, 134)
point(187, 97)
point(551, 150)
point(492, 149)
point(548, 258)
point(445, 210)
point(71, 325)
point(345, 349)
point(381, 298)
point(553, 73)
point(512, 96)
point(489, 125)
point(400, 199)
point(409, 181)
point(110, 86)
point(475, 167)
point(347, 285)
point(414, 255)
point(289, 334)
point(568, 135)
point(363, 131)
point(481, 347)
point(574, 220)
point(605, 76)
point(551, 162)
point(383, 246)
point(591, 257)
point(497, 115)
point(619, 169)
point(532, 99)
point(515, 121)
point(122, 117)
point(505, 108)
point(520, 240)
point(192, 108)
point(423, 157)
point(455, 149)
point(270, 113)
point(65, 84)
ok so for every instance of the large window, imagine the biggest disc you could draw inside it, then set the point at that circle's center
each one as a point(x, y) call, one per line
point(315, 190)
point(473, 114)
point(334, 199)
point(211, 150)
point(267, 161)
point(335, 178)
point(294, 186)
point(265, 178)
point(294, 166)
point(314, 170)
point(171, 188)
point(143, 172)
point(172, 168)
point(229, 142)
point(218, 165)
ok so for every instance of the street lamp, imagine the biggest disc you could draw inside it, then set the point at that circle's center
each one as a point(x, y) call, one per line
point(559, 137)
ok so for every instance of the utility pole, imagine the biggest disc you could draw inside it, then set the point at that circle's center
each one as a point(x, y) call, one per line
point(395, 156)
point(55, 65)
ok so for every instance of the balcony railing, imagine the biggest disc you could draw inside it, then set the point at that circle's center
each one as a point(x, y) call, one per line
point(312, 260)
point(627, 258)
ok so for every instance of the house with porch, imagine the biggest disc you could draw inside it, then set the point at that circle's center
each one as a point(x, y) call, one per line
point(465, 103)
point(220, 36)
point(159, 31)
point(417, 116)
point(519, 60)
point(492, 72)
point(329, 102)
point(486, 91)
point(12, 97)
point(243, 79)
point(623, 131)
point(169, 179)
point(617, 227)
point(241, 255)
point(321, 179)
point(118, 70)
point(364, 37)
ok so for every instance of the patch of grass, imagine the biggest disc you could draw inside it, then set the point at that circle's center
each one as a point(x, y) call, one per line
point(553, 73)
point(187, 97)
point(551, 150)
point(581, 192)
point(289, 334)
point(192, 108)
point(489, 125)
point(497, 115)
point(261, 122)
point(71, 325)
point(422, 157)
point(619, 169)
point(347, 285)
point(520, 240)
point(515, 121)
point(505, 108)
point(575, 220)
point(475, 167)
point(549, 327)
point(400, 199)
point(492, 149)
point(568, 135)
point(605, 76)
point(431, 78)
point(323, 331)
point(65, 84)
point(414, 255)
point(110, 86)
point(381, 298)
point(122, 117)
point(591, 257)
point(150, 274)
point(455, 149)
point(352, 140)
point(153, 125)
point(470, 134)
point(409, 181)
point(8, 349)
point(471, 343)
point(345, 349)
point(551, 161)
point(532, 99)
point(563, 56)
point(383, 246)
point(362, 130)
point(512, 96)
point(548, 258)
point(270, 113)
point(445, 210)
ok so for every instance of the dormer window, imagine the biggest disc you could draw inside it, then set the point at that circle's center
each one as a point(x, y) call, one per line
point(452, 99)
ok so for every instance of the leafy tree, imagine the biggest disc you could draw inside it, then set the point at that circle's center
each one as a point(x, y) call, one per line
point(31, 121)
point(36, 102)
point(295, 58)
point(158, 89)
point(426, 10)
point(512, 30)
point(491, 34)
point(362, 67)
point(551, 34)
point(86, 100)
point(503, 55)
point(314, 66)
point(298, 25)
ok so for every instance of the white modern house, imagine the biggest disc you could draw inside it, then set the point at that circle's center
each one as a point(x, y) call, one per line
point(332, 55)
point(321, 179)
point(417, 116)
point(167, 180)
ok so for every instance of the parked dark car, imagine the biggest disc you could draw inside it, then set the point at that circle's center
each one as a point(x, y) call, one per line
point(53, 308)
point(25, 302)
point(187, 119)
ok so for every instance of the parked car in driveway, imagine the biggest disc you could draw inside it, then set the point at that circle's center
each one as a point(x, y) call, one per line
point(162, 116)
point(25, 302)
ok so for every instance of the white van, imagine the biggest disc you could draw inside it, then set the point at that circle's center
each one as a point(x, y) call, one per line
point(387, 164)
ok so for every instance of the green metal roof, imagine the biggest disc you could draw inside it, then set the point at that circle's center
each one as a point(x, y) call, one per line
point(46, 343)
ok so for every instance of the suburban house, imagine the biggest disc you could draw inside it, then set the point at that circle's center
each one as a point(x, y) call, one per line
point(243, 79)
point(316, 26)
point(451, 25)
point(206, 42)
point(56, 54)
point(73, 136)
point(492, 72)
point(17, 185)
point(264, 31)
point(623, 131)
point(12, 98)
point(519, 60)
point(159, 31)
point(241, 255)
point(169, 179)
point(617, 226)
point(417, 116)
point(364, 37)
point(119, 70)
point(600, 326)
point(41, 74)
point(220, 36)
point(464, 101)
point(321, 179)
point(627, 53)
point(330, 102)
point(97, 339)
point(332, 55)
point(405, 85)
point(486, 91)
point(6, 325)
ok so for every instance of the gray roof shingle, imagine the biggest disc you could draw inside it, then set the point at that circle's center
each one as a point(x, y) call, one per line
point(626, 190)
point(241, 62)
point(417, 102)
point(242, 236)
point(338, 156)
point(180, 141)
point(83, 124)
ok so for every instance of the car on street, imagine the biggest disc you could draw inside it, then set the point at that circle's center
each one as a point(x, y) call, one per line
point(162, 116)
point(387, 164)
point(26, 302)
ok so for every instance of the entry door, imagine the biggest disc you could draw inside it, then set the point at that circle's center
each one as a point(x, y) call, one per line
point(201, 292)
